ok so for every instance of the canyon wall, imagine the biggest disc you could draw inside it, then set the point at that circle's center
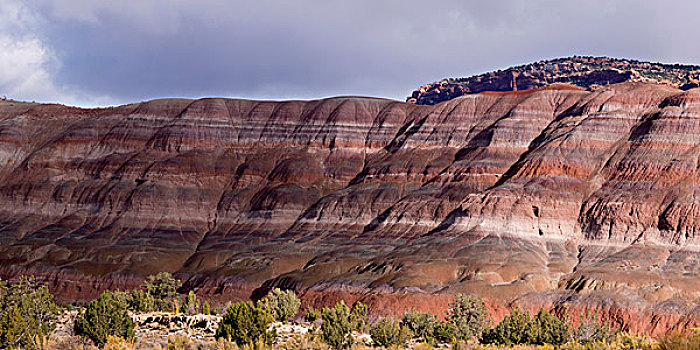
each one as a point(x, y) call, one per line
point(555, 197)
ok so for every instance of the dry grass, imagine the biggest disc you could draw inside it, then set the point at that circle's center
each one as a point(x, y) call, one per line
point(622, 342)
point(173, 343)
point(679, 341)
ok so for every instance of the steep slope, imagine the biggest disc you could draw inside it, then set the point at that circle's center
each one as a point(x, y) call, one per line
point(552, 197)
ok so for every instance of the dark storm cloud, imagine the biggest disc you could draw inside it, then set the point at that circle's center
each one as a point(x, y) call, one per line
point(120, 51)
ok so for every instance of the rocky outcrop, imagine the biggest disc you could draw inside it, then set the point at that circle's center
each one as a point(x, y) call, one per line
point(589, 73)
point(554, 197)
point(164, 325)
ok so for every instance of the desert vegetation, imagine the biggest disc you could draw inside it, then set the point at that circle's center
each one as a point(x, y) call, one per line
point(29, 318)
point(27, 314)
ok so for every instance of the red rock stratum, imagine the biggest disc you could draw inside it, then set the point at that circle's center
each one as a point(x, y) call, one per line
point(559, 197)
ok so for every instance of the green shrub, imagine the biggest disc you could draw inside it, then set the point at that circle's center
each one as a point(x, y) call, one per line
point(191, 306)
point(163, 288)
point(358, 316)
point(157, 293)
point(140, 301)
point(388, 331)
point(206, 309)
point(244, 323)
point(548, 329)
point(336, 326)
point(512, 330)
point(27, 313)
point(421, 324)
point(281, 304)
point(311, 315)
point(468, 313)
point(519, 328)
point(591, 330)
point(445, 332)
point(105, 316)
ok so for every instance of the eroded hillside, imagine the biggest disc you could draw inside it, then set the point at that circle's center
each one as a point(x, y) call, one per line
point(553, 197)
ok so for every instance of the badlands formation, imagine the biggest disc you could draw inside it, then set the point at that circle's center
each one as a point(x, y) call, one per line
point(555, 197)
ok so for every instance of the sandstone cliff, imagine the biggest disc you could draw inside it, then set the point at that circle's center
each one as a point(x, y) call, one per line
point(590, 73)
point(553, 197)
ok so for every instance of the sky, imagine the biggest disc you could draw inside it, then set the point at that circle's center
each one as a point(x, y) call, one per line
point(98, 53)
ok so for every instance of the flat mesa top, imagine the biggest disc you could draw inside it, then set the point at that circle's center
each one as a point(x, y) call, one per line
point(589, 73)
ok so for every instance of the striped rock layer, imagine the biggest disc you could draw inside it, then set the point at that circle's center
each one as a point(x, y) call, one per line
point(559, 198)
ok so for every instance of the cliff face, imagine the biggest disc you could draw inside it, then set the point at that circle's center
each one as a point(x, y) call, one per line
point(553, 197)
point(590, 73)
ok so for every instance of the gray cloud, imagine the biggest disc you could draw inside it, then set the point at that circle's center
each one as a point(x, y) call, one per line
point(97, 52)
